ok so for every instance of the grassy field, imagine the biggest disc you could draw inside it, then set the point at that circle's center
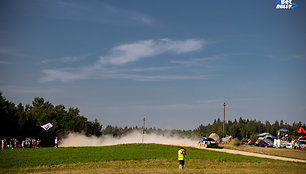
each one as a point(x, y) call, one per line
point(135, 158)
point(166, 166)
point(290, 153)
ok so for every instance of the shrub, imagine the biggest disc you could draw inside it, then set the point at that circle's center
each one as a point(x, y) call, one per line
point(236, 142)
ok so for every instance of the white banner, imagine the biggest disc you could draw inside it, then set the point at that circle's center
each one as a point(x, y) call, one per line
point(46, 126)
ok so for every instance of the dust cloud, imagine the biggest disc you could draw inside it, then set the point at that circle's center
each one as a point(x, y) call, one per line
point(77, 140)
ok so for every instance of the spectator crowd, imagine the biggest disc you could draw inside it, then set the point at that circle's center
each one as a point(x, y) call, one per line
point(14, 143)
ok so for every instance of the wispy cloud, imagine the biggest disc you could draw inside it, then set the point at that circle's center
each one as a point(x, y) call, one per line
point(132, 52)
point(145, 69)
point(64, 59)
point(194, 62)
point(126, 54)
point(65, 76)
point(62, 76)
point(207, 62)
point(155, 77)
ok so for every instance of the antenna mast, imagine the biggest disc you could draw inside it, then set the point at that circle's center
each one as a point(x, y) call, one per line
point(224, 118)
point(143, 128)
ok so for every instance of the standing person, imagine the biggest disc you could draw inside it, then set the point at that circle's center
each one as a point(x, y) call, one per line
point(298, 145)
point(2, 142)
point(56, 142)
point(30, 142)
point(34, 143)
point(249, 141)
point(15, 142)
point(11, 143)
point(38, 142)
point(181, 157)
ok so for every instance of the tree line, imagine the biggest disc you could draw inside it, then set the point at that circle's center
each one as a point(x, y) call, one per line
point(244, 129)
point(20, 121)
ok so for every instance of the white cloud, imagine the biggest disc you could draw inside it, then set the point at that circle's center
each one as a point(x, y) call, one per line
point(195, 62)
point(145, 69)
point(204, 61)
point(132, 52)
point(126, 54)
point(154, 77)
point(180, 47)
point(65, 59)
point(162, 68)
point(62, 76)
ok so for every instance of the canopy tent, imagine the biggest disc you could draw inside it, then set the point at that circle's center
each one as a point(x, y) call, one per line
point(265, 135)
point(283, 130)
point(300, 130)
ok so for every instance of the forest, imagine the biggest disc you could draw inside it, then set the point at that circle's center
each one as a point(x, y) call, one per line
point(19, 121)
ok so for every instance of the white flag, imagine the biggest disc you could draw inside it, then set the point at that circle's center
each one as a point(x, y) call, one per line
point(46, 126)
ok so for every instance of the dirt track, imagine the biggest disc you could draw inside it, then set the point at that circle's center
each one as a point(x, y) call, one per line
point(256, 155)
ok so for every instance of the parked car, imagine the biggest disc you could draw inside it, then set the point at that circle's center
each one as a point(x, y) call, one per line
point(302, 139)
point(264, 143)
point(289, 146)
point(208, 142)
point(265, 140)
point(302, 145)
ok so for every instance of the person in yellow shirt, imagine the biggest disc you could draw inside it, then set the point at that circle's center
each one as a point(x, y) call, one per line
point(181, 157)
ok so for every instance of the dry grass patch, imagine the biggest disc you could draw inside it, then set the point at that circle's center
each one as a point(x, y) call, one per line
point(290, 153)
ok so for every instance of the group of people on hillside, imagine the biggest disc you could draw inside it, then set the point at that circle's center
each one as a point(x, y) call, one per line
point(14, 143)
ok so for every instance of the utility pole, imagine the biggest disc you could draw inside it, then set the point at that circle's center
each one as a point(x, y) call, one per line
point(143, 128)
point(223, 118)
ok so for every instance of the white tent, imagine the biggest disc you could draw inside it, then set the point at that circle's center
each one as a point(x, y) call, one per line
point(265, 135)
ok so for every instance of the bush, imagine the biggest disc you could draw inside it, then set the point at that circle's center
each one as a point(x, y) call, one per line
point(235, 142)
point(245, 140)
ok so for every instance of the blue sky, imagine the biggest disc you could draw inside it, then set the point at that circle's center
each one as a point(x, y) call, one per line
point(174, 61)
